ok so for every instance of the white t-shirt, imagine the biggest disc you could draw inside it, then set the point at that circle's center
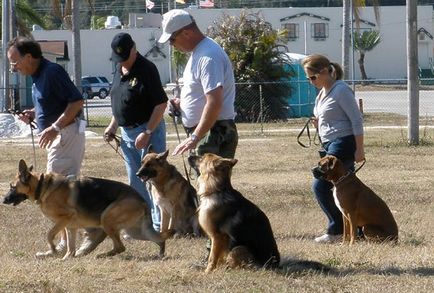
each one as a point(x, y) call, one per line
point(207, 68)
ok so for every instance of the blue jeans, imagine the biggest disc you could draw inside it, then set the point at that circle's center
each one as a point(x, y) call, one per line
point(343, 148)
point(134, 158)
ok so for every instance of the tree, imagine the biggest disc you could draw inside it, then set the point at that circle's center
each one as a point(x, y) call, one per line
point(258, 56)
point(26, 16)
point(179, 60)
point(365, 42)
point(348, 6)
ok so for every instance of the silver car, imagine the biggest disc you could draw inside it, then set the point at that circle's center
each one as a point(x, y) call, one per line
point(99, 85)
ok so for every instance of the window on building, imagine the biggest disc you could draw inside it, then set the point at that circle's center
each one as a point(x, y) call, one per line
point(292, 30)
point(320, 31)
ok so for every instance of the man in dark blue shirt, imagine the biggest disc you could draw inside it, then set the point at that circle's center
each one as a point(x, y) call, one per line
point(57, 107)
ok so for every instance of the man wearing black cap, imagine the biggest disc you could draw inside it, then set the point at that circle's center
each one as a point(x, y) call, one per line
point(138, 103)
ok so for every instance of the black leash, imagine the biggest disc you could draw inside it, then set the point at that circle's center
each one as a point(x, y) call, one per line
point(360, 167)
point(310, 140)
point(33, 126)
point(173, 112)
point(117, 139)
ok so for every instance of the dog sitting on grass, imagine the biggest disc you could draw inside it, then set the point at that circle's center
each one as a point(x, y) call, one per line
point(240, 232)
point(174, 195)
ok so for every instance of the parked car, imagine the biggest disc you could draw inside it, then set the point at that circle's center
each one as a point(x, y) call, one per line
point(86, 90)
point(100, 86)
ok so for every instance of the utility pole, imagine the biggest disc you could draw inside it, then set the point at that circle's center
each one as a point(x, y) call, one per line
point(346, 37)
point(413, 79)
point(5, 67)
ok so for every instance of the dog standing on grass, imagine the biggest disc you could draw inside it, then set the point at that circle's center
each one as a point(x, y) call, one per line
point(174, 195)
point(85, 203)
point(360, 206)
point(240, 232)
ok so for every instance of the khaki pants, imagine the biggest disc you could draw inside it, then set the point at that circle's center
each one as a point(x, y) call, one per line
point(67, 151)
point(222, 139)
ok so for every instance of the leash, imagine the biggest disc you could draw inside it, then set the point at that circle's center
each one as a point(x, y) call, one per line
point(310, 140)
point(360, 167)
point(33, 125)
point(174, 114)
point(117, 140)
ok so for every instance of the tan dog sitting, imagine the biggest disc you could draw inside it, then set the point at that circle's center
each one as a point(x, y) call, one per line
point(360, 206)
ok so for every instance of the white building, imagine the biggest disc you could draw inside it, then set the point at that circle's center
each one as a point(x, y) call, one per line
point(312, 30)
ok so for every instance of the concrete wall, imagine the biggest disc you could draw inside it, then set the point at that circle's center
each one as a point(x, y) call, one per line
point(386, 61)
point(96, 50)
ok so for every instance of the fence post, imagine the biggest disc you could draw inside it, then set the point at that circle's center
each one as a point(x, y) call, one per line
point(261, 109)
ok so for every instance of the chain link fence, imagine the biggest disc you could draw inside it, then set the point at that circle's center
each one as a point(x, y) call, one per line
point(263, 106)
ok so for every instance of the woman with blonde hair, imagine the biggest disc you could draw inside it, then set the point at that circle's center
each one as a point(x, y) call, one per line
point(340, 127)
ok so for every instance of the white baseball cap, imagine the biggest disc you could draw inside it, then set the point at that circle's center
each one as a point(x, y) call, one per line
point(173, 21)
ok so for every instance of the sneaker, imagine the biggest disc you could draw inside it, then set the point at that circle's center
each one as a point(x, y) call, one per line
point(126, 237)
point(328, 238)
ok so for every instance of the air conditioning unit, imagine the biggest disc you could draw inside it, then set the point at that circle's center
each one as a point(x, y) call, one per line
point(112, 22)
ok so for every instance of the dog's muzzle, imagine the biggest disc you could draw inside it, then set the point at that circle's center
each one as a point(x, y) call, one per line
point(13, 197)
point(146, 174)
point(193, 161)
point(318, 173)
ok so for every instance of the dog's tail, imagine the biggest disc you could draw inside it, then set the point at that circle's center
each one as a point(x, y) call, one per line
point(291, 266)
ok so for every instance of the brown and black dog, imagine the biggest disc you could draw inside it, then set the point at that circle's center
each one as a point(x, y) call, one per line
point(360, 206)
point(174, 195)
point(85, 203)
point(240, 232)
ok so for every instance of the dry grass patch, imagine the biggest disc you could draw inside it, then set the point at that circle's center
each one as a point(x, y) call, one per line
point(274, 172)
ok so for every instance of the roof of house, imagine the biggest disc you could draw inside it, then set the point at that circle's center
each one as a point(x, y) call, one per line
point(57, 49)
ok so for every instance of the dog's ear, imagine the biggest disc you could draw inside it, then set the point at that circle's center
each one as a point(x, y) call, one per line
point(233, 162)
point(332, 162)
point(24, 173)
point(31, 168)
point(163, 156)
point(227, 162)
point(150, 148)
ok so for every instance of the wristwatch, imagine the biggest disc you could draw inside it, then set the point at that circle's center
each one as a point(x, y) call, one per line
point(194, 137)
point(148, 132)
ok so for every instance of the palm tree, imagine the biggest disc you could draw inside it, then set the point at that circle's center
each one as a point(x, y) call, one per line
point(365, 42)
point(25, 17)
point(348, 6)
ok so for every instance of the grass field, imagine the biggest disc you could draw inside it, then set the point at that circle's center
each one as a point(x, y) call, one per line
point(274, 172)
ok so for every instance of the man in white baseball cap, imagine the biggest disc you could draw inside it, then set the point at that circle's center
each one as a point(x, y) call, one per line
point(206, 102)
point(173, 21)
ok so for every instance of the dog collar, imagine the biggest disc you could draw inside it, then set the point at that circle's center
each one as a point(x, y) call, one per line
point(39, 187)
point(342, 178)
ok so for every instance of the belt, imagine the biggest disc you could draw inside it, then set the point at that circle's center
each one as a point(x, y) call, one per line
point(190, 130)
point(135, 125)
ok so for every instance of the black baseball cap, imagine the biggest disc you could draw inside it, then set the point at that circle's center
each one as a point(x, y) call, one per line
point(121, 46)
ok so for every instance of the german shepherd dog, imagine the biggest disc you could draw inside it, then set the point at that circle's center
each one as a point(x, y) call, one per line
point(174, 195)
point(85, 203)
point(240, 232)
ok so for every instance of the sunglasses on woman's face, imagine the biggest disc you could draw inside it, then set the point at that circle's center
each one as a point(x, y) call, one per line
point(313, 77)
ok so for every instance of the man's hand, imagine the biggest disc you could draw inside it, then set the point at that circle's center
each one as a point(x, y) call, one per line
point(27, 116)
point(142, 141)
point(187, 144)
point(174, 107)
point(47, 136)
point(109, 133)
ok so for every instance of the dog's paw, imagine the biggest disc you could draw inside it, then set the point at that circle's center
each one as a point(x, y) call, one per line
point(45, 254)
